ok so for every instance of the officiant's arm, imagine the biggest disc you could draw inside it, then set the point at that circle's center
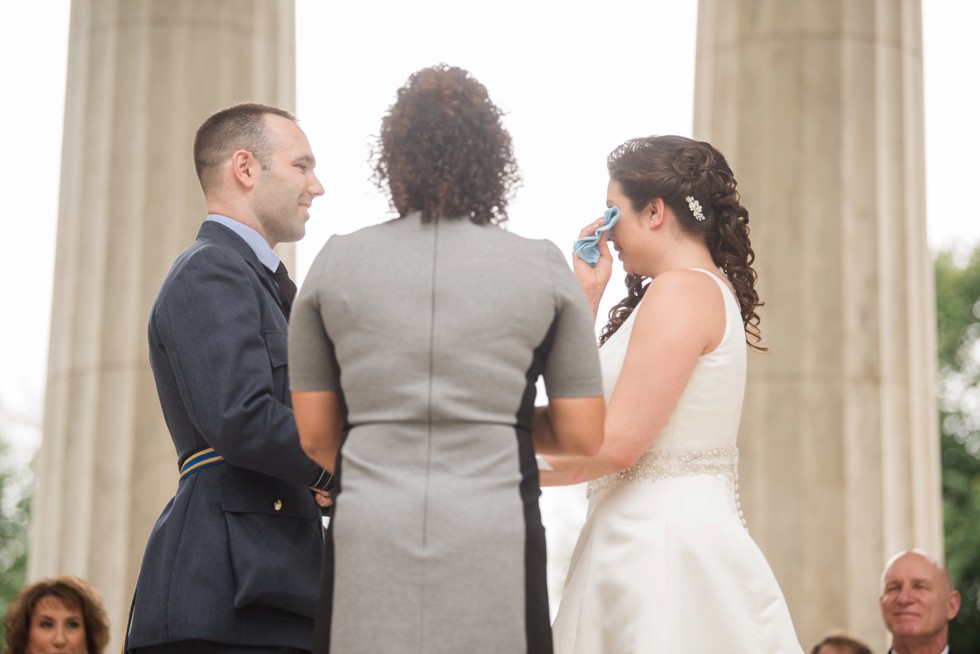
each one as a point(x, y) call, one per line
point(569, 426)
point(319, 421)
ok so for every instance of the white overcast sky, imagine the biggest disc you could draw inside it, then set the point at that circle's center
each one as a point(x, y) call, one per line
point(574, 80)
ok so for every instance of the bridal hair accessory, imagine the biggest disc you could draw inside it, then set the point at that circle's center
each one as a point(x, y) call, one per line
point(695, 208)
point(587, 247)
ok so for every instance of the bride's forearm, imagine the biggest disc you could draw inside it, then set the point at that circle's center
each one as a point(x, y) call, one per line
point(565, 471)
point(569, 470)
point(617, 454)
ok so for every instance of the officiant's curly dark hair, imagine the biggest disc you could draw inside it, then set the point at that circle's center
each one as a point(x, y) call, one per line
point(443, 151)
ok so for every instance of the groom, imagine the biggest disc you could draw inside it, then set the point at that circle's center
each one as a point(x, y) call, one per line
point(233, 563)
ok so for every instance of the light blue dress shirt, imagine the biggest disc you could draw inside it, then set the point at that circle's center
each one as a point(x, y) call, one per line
point(256, 241)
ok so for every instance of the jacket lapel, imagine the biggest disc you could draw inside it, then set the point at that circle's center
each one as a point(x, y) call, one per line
point(214, 231)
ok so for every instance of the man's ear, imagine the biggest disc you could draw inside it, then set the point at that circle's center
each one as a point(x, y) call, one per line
point(952, 605)
point(655, 209)
point(243, 167)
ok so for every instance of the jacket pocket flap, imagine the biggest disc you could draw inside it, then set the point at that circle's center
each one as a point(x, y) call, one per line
point(250, 492)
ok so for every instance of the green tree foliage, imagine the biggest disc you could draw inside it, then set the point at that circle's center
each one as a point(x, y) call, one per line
point(958, 314)
point(16, 492)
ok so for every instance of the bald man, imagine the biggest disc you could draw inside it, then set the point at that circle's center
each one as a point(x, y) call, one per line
point(917, 602)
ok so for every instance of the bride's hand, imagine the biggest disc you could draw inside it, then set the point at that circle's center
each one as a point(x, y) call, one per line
point(593, 279)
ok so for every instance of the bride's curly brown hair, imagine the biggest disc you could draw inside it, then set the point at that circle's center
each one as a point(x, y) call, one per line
point(675, 168)
point(443, 150)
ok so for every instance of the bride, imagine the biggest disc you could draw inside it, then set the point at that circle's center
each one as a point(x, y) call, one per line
point(664, 562)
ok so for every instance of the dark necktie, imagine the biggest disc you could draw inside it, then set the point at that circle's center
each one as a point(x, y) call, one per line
point(286, 285)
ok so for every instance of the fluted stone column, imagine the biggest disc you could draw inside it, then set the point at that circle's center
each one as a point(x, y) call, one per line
point(818, 107)
point(142, 75)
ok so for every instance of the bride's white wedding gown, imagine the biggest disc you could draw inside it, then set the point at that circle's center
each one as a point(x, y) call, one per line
point(664, 563)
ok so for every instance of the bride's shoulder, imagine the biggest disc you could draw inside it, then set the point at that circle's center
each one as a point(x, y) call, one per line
point(680, 287)
point(683, 301)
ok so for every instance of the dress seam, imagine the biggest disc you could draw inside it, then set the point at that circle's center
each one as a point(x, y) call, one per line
point(428, 445)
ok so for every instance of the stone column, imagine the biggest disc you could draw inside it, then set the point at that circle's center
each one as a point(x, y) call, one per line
point(142, 75)
point(818, 107)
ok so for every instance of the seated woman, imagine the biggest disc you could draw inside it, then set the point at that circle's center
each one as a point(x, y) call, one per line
point(64, 614)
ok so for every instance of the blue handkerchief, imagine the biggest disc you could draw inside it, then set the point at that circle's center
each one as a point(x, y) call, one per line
point(587, 247)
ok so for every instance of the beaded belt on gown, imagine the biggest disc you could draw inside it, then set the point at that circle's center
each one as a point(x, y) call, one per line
point(661, 464)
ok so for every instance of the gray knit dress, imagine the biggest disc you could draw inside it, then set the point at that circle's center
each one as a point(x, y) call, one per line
point(435, 334)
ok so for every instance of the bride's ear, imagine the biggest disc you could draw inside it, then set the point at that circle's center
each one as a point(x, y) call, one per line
point(655, 211)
